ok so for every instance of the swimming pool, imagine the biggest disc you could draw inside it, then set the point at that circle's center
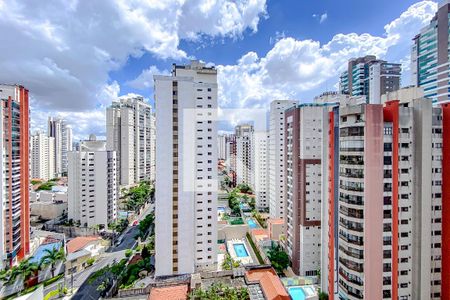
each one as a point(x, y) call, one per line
point(251, 223)
point(40, 252)
point(240, 250)
point(297, 293)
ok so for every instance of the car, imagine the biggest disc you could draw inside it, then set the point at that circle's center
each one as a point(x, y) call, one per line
point(135, 222)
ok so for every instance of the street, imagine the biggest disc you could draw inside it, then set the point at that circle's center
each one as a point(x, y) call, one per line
point(84, 290)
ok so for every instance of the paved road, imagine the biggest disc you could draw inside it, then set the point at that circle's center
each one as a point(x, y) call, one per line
point(84, 290)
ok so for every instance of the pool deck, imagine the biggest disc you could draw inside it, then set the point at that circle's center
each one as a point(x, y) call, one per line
point(243, 260)
point(309, 292)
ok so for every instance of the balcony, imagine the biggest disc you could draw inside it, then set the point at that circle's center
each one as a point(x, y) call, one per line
point(351, 265)
point(351, 225)
point(347, 278)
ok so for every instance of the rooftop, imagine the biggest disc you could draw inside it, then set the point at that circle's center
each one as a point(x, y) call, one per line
point(79, 243)
point(269, 281)
point(177, 292)
point(275, 221)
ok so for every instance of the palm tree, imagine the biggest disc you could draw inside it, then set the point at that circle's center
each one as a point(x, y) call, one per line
point(25, 269)
point(51, 257)
point(9, 276)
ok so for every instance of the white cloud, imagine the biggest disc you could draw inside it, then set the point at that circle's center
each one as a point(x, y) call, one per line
point(220, 17)
point(322, 17)
point(63, 51)
point(145, 80)
point(301, 69)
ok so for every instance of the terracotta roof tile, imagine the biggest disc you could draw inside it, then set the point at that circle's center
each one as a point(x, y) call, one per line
point(275, 221)
point(178, 292)
point(259, 232)
point(270, 284)
point(79, 243)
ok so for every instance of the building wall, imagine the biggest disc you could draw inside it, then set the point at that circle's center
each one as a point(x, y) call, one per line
point(390, 212)
point(429, 59)
point(62, 133)
point(245, 164)
point(186, 165)
point(92, 186)
point(303, 133)
point(15, 167)
point(130, 132)
point(276, 157)
point(261, 150)
point(42, 154)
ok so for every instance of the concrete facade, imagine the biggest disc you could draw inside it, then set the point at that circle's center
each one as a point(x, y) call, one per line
point(14, 174)
point(245, 155)
point(261, 155)
point(62, 133)
point(92, 185)
point(384, 234)
point(186, 169)
point(303, 134)
point(130, 133)
point(42, 156)
point(276, 157)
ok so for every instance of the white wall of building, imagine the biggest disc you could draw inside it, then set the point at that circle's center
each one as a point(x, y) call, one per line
point(42, 156)
point(194, 224)
point(130, 132)
point(92, 184)
point(276, 157)
point(261, 151)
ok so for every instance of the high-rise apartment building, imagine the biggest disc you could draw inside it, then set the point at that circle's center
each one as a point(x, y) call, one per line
point(62, 133)
point(222, 146)
point(186, 169)
point(14, 175)
point(231, 150)
point(42, 155)
point(152, 147)
point(277, 181)
point(430, 59)
point(92, 186)
point(384, 201)
point(303, 142)
point(261, 152)
point(129, 134)
point(245, 160)
point(367, 76)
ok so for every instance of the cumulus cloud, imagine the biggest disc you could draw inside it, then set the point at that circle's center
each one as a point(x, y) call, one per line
point(295, 68)
point(145, 80)
point(63, 51)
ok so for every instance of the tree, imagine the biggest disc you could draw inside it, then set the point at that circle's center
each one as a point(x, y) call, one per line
point(278, 258)
point(219, 291)
point(229, 263)
point(151, 242)
point(51, 257)
point(145, 224)
point(128, 253)
point(252, 203)
point(322, 295)
point(244, 188)
point(27, 270)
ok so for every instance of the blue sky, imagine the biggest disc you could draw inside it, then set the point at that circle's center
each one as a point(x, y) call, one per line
point(289, 18)
point(78, 56)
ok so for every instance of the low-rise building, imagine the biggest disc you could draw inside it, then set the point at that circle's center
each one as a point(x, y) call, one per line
point(81, 249)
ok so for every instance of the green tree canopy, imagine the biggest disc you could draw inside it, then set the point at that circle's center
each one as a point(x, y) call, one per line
point(278, 258)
